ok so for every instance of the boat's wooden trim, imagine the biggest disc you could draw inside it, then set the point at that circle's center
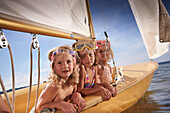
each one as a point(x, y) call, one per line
point(138, 78)
point(24, 27)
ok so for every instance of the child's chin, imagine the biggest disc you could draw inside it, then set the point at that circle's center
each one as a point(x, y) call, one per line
point(66, 75)
point(88, 66)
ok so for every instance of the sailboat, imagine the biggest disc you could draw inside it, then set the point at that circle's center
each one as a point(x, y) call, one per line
point(71, 19)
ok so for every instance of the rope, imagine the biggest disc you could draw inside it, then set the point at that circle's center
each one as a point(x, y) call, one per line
point(5, 93)
point(4, 45)
point(30, 86)
point(102, 13)
point(34, 45)
point(38, 79)
point(13, 78)
point(107, 40)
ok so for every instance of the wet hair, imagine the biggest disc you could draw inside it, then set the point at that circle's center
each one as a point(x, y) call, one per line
point(53, 77)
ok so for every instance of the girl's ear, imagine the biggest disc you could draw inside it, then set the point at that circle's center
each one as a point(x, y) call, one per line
point(51, 65)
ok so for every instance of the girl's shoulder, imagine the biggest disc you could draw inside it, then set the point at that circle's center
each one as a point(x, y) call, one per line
point(98, 66)
point(52, 86)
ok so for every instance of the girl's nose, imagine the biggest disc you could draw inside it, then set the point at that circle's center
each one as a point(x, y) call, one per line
point(65, 64)
point(88, 58)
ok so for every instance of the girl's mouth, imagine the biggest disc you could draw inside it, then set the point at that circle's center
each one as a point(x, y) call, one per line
point(65, 71)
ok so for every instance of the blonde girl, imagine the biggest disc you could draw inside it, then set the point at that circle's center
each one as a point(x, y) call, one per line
point(103, 56)
point(63, 79)
point(88, 79)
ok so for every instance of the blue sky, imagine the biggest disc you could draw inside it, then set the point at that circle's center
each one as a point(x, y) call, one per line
point(113, 15)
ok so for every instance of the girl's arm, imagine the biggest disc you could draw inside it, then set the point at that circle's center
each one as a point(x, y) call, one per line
point(82, 74)
point(47, 95)
point(62, 105)
point(77, 99)
point(106, 85)
point(111, 70)
point(105, 93)
point(97, 71)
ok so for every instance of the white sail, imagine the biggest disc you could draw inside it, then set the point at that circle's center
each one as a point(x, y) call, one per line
point(68, 16)
point(164, 23)
point(146, 13)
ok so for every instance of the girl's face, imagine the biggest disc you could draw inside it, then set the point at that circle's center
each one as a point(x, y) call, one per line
point(103, 53)
point(87, 57)
point(63, 65)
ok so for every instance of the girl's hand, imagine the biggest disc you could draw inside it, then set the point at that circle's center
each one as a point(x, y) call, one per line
point(77, 99)
point(68, 107)
point(112, 90)
point(105, 93)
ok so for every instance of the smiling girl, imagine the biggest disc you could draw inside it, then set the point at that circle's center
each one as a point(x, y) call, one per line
point(62, 83)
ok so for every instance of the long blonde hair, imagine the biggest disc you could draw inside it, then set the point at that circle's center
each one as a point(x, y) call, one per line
point(54, 78)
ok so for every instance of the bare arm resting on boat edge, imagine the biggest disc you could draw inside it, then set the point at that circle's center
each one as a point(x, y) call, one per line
point(105, 93)
point(3, 107)
point(48, 99)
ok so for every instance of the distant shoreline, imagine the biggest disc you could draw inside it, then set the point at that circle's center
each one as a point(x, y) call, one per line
point(164, 62)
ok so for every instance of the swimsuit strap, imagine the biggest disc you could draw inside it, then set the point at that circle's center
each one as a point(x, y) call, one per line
point(87, 84)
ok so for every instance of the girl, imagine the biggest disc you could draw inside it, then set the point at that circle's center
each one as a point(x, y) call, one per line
point(88, 79)
point(103, 56)
point(62, 82)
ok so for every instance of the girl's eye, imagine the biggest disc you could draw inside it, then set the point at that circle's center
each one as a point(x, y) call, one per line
point(59, 63)
point(68, 61)
point(101, 51)
point(90, 54)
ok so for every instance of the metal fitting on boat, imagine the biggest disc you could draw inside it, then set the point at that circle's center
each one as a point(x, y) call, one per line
point(35, 43)
point(3, 40)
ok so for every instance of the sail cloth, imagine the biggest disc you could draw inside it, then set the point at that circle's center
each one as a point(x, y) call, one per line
point(146, 13)
point(164, 23)
point(68, 16)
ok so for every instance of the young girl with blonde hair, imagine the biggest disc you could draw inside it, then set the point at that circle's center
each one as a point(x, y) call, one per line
point(63, 80)
point(103, 56)
point(88, 82)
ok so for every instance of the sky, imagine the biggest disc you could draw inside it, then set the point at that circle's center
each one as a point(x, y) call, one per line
point(114, 16)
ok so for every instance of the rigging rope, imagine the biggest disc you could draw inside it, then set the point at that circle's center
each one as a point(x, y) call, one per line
point(3, 44)
point(107, 40)
point(34, 45)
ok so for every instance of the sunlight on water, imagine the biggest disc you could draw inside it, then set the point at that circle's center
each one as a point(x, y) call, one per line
point(157, 97)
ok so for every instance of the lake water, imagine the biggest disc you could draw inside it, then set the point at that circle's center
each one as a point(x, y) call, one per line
point(157, 97)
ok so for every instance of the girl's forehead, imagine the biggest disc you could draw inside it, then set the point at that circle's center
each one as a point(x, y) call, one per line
point(102, 47)
point(63, 56)
point(86, 52)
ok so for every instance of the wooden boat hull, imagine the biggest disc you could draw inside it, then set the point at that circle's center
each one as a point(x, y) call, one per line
point(138, 78)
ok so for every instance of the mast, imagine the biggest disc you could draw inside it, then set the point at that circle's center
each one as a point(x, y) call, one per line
point(90, 21)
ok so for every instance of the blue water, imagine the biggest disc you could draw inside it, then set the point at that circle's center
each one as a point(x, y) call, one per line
point(157, 97)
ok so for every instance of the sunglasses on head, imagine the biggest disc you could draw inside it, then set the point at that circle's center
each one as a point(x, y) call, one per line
point(58, 51)
point(79, 46)
point(101, 43)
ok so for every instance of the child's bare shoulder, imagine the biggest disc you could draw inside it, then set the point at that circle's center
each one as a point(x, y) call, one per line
point(51, 87)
